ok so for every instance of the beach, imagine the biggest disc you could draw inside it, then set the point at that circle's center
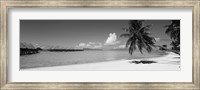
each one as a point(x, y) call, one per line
point(49, 59)
point(169, 62)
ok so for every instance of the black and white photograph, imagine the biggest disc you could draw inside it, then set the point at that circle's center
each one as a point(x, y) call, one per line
point(100, 45)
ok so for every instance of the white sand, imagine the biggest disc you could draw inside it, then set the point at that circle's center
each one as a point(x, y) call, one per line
point(167, 62)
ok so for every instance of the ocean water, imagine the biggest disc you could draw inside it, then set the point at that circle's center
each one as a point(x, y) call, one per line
point(46, 59)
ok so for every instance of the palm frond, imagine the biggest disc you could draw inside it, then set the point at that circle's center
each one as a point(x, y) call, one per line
point(141, 39)
point(169, 30)
point(128, 42)
point(146, 28)
point(149, 39)
point(140, 45)
point(132, 47)
point(136, 24)
point(138, 37)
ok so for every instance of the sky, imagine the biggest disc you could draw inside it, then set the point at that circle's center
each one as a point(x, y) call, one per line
point(95, 34)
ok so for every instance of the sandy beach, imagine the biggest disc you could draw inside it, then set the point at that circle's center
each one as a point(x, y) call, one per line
point(168, 62)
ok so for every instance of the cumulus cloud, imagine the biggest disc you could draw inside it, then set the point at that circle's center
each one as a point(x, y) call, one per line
point(112, 39)
point(93, 45)
point(81, 45)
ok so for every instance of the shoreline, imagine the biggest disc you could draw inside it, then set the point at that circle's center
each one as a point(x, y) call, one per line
point(171, 61)
point(51, 59)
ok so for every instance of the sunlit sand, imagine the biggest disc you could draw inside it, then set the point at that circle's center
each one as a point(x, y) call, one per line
point(169, 62)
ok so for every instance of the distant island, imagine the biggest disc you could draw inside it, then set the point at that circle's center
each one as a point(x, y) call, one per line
point(29, 48)
point(64, 50)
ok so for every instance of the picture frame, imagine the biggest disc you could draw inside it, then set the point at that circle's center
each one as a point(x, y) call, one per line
point(4, 44)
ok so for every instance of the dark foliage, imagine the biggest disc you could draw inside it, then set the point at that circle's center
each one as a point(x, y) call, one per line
point(173, 30)
point(138, 36)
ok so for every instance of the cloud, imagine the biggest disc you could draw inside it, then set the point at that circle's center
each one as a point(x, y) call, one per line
point(112, 39)
point(90, 43)
point(122, 46)
point(93, 45)
point(97, 47)
point(157, 39)
point(81, 45)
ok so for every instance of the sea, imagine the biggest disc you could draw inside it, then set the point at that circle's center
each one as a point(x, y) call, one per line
point(48, 59)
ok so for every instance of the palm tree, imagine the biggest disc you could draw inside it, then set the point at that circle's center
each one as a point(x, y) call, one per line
point(173, 30)
point(138, 36)
point(176, 46)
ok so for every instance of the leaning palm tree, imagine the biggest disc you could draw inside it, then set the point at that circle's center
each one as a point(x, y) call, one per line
point(173, 30)
point(138, 36)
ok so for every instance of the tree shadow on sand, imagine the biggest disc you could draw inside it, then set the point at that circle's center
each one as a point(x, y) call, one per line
point(143, 62)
